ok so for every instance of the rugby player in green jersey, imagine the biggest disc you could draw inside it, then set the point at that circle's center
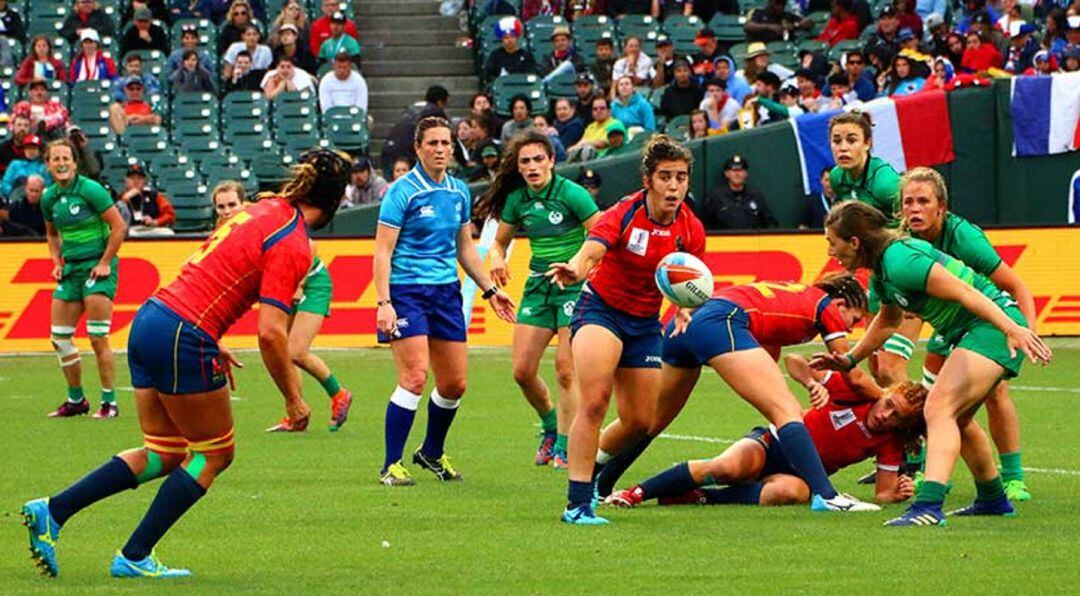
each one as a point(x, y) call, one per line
point(987, 331)
point(924, 206)
point(84, 230)
point(554, 213)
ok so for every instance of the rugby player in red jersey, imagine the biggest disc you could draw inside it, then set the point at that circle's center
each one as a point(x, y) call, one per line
point(846, 428)
point(739, 333)
point(615, 328)
point(182, 376)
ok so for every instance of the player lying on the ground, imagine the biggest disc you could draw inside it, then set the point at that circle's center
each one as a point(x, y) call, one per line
point(182, 374)
point(846, 428)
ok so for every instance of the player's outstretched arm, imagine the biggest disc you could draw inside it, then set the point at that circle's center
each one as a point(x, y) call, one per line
point(274, 347)
point(883, 325)
point(504, 235)
point(578, 268)
point(800, 370)
point(473, 265)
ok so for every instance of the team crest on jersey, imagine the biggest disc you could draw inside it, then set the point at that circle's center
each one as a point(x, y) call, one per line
point(639, 241)
point(427, 211)
point(538, 206)
point(555, 218)
point(842, 418)
point(74, 209)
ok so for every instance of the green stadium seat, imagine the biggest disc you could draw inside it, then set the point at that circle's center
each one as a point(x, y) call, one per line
point(727, 27)
point(562, 86)
point(193, 219)
point(204, 27)
point(678, 23)
point(637, 25)
point(678, 127)
point(541, 26)
point(506, 87)
point(244, 105)
point(350, 136)
point(813, 45)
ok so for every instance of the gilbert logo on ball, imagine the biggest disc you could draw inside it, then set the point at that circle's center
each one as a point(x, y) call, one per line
point(684, 279)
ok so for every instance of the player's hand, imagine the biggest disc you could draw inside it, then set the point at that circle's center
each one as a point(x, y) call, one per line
point(819, 395)
point(905, 487)
point(563, 274)
point(682, 321)
point(500, 273)
point(386, 319)
point(830, 361)
point(226, 360)
point(299, 414)
point(100, 271)
point(57, 271)
point(504, 306)
point(1028, 342)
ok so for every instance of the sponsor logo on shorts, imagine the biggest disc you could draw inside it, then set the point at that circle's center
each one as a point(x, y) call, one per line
point(526, 311)
point(555, 218)
point(403, 322)
point(568, 307)
point(652, 359)
point(90, 282)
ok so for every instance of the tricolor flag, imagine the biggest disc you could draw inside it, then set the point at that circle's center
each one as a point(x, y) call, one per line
point(1046, 114)
point(909, 131)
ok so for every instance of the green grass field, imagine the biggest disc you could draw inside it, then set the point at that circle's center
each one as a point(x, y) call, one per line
point(305, 514)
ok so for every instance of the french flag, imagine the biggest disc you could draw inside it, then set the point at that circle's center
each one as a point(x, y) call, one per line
point(1046, 114)
point(909, 131)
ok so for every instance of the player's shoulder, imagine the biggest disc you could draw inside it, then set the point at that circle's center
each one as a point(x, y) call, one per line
point(276, 220)
point(880, 171)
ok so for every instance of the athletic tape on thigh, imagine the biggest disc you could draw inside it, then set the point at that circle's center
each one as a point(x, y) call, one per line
point(213, 446)
point(98, 328)
point(899, 345)
point(175, 445)
point(928, 378)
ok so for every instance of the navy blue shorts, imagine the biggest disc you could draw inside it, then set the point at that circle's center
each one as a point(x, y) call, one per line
point(640, 336)
point(775, 461)
point(170, 354)
point(718, 327)
point(431, 310)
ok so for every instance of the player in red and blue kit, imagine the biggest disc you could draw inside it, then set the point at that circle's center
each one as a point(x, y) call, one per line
point(179, 371)
point(615, 328)
point(739, 333)
point(846, 426)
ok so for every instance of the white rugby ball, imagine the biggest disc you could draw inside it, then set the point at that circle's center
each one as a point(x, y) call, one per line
point(684, 280)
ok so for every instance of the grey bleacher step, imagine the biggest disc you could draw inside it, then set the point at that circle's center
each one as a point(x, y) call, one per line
point(459, 99)
point(399, 22)
point(373, 69)
point(411, 37)
point(376, 52)
point(415, 87)
point(368, 8)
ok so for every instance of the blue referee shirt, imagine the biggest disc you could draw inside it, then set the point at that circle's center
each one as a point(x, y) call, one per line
point(429, 216)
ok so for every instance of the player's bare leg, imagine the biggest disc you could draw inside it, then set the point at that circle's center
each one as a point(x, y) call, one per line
point(63, 318)
point(302, 331)
point(99, 310)
point(1004, 422)
point(527, 351)
point(568, 397)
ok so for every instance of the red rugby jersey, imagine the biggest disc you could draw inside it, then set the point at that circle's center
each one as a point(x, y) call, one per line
point(260, 254)
point(786, 314)
point(840, 434)
point(635, 243)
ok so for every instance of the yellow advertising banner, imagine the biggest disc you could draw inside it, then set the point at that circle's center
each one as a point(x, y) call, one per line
point(1048, 259)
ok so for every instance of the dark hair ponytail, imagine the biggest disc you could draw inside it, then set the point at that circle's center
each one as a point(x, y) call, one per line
point(507, 177)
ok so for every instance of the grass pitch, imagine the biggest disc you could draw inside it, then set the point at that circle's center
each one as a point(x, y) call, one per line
point(304, 513)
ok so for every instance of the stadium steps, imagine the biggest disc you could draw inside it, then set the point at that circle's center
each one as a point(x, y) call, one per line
point(408, 46)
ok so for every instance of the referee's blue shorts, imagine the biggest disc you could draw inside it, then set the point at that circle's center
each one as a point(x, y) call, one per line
point(718, 327)
point(169, 353)
point(431, 310)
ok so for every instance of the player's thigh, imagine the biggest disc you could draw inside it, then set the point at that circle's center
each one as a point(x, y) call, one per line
point(784, 489)
point(200, 417)
point(528, 348)
point(597, 351)
point(99, 307)
point(305, 326)
point(65, 313)
point(741, 462)
point(153, 417)
point(449, 365)
point(755, 377)
point(676, 385)
point(636, 390)
point(412, 359)
point(910, 327)
point(966, 379)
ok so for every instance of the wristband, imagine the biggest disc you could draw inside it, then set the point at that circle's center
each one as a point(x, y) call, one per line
point(488, 293)
point(382, 303)
point(852, 362)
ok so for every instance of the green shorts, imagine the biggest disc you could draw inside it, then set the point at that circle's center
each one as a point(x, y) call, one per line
point(316, 295)
point(986, 340)
point(545, 305)
point(75, 283)
point(937, 345)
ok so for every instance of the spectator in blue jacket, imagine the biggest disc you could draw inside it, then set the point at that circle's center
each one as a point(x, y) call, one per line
point(568, 124)
point(20, 169)
point(630, 107)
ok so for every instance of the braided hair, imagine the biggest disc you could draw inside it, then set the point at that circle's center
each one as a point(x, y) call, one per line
point(318, 179)
point(845, 286)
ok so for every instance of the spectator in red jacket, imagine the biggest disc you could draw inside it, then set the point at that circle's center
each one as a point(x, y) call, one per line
point(90, 64)
point(532, 8)
point(905, 11)
point(979, 55)
point(842, 25)
point(40, 64)
point(320, 29)
point(47, 115)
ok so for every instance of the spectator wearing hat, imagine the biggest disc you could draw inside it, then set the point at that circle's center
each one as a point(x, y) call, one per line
point(633, 63)
point(261, 56)
point(937, 33)
point(134, 110)
point(237, 20)
point(143, 34)
point(594, 139)
point(489, 163)
point(732, 205)
point(616, 140)
point(90, 64)
point(243, 76)
point(292, 13)
point(87, 15)
point(147, 211)
point(709, 51)
point(1022, 48)
point(1071, 61)
point(665, 62)
point(30, 164)
point(510, 57)
point(12, 149)
point(907, 40)
point(189, 41)
point(683, 95)
point(339, 42)
point(585, 89)
point(603, 64)
point(286, 78)
point(786, 105)
point(133, 67)
point(343, 86)
point(366, 187)
point(842, 25)
point(774, 23)
point(725, 70)
point(567, 122)
point(630, 107)
point(721, 110)
point(23, 217)
point(321, 28)
point(290, 46)
point(591, 181)
point(884, 40)
point(758, 60)
point(563, 51)
point(47, 115)
point(976, 10)
point(11, 23)
point(40, 64)
point(979, 55)
point(532, 8)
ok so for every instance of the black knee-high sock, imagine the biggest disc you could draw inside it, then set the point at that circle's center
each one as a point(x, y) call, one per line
point(736, 494)
point(617, 466)
point(112, 477)
point(673, 481)
point(177, 494)
point(800, 452)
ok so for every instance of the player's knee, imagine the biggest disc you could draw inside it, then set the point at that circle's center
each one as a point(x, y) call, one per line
point(298, 356)
point(412, 380)
point(593, 410)
point(939, 409)
point(524, 373)
point(791, 491)
point(100, 345)
point(564, 371)
point(451, 389)
point(223, 459)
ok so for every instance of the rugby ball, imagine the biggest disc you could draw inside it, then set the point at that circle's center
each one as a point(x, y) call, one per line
point(684, 280)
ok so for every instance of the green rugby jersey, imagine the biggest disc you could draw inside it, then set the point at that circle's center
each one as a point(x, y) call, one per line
point(76, 213)
point(901, 278)
point(966, 241)
point(551, 218)
point(879, 186)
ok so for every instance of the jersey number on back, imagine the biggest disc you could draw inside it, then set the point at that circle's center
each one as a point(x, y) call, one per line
point(768, 288)
point(219, 235)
